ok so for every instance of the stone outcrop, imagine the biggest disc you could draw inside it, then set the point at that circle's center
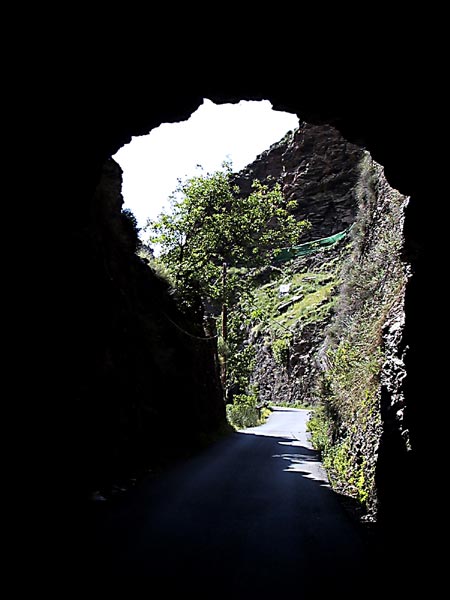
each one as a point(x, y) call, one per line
point(141, 365)
point(295, 380)
point(363, 323)
point(366, 373)
point(318, 169)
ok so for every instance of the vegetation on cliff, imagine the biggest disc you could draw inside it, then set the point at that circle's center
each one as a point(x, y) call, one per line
point(212, 243)
point(292, 306)
point(348, 427)
point(209, 224)
point(310, 330)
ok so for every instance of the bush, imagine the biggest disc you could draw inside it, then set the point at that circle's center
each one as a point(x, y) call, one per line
point(319, 427)
point(280, 350)
point(340, 463)
point(337, 462)
point(243, 412)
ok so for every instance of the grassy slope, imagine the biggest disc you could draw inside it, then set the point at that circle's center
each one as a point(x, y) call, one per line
point(311, 296)
point(349, 426)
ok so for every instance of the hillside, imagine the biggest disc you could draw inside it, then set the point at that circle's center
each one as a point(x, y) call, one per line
point(136, 361)
point(325, 329)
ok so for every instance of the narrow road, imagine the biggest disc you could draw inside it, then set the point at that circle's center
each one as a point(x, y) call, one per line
point(252, 516)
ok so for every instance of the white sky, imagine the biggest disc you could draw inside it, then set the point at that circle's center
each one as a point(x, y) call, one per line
point(153, 163)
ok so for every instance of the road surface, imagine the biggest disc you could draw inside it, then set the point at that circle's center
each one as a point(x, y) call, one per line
point(252, 516)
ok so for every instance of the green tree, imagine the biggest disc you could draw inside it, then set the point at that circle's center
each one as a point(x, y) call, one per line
point(210, 224)
point(213, 238)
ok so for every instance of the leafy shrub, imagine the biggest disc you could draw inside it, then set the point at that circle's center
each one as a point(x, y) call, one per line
point(347, 471)
point(361, 484)
point(337, 461)
point(319, 427)
point(243, 412)
point(280, 350)
point(265, 414)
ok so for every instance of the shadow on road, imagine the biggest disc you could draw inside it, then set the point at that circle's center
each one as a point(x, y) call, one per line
point(252, 515)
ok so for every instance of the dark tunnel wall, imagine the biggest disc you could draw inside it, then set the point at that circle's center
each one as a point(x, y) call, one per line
point(386, 124)
point(95, 106)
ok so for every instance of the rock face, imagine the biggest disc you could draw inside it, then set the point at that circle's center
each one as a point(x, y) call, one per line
point(337, 333)
point(294, 382)
point(307, 310)
point(393, 469)
point(317, 168)
point(140, 364)
point(365, 348)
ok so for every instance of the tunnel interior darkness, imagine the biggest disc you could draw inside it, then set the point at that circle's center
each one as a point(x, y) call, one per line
point(387, 132)
point(97, 115)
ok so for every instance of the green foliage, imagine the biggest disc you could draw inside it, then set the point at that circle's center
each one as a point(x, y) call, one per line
point(319, 427)
point(373, 281)
point(241, 360)
point(353, 374)
point(210, 224)
point(336, 461)
point(339, 458)
point(145, 253)
point(265, 414)
point(212, 242)
point(128, 216)
point(159, 268)
point(223, 347)
point(346, 473)
point(280, 350)
point(129, 232)
point(361, 484)
point(244, 412)
point(311, 297)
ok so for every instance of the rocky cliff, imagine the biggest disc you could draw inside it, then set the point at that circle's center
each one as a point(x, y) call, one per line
point(318, 169)
point(362, 385)
point(140, 366)
point(288, 346)
point(329, 326)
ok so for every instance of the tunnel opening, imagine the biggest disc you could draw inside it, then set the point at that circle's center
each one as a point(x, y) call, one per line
point(379, 84)
point(169, 340)
point(312, 327)
point(107, 128)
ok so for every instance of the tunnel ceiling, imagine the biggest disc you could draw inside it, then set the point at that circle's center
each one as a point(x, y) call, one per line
point(377, 101)
point(380, 94)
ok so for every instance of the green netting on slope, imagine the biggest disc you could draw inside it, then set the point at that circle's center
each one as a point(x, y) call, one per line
point(309, 247)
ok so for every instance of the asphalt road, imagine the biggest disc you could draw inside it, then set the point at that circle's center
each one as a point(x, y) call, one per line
point(253, 516)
